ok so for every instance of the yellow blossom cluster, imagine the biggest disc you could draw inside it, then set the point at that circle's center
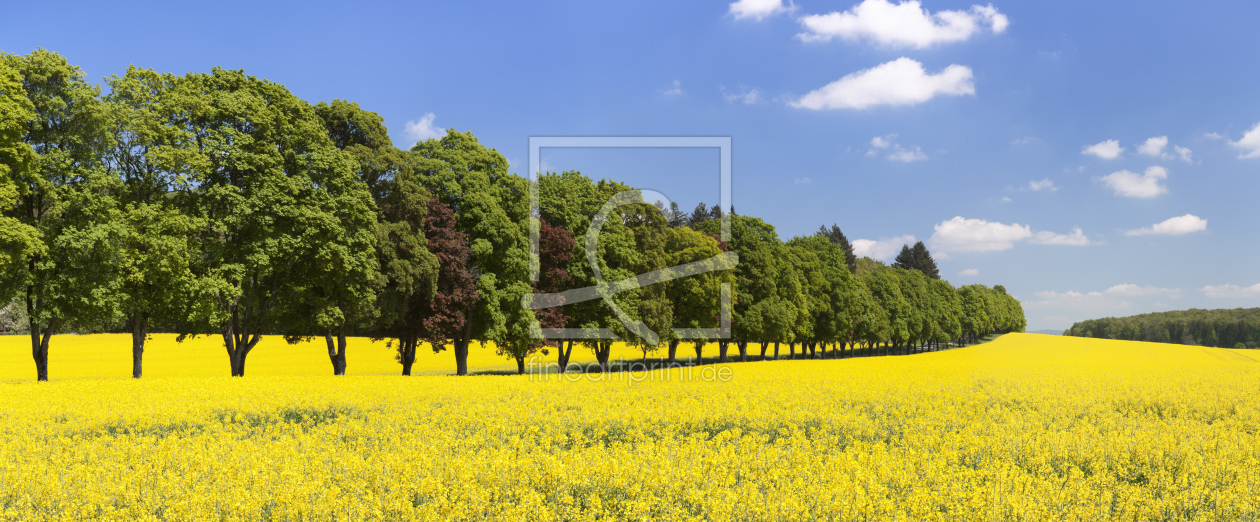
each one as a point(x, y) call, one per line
point(1028, 427)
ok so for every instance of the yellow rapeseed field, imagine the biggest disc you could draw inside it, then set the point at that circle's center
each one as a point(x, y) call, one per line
point(1028, 427)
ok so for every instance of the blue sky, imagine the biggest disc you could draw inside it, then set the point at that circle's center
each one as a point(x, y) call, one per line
point(985, 130)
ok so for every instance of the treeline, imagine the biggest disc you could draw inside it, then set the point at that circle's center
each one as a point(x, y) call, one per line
point(220, 204)
point(1223, 328)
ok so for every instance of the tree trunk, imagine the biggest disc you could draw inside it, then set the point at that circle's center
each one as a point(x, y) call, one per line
point(562, 355)
point(602, 351)
point(461, 356)
point(776, 350)
point(743, 351)
point(139, 331)
point(520, 365)
point(238, 344)
point(764, 346)
point(39, 343)
point(673, 350)
point(699, 347)
point(792, 351)
point(337, 350)
point(722, 345)
point(407, 354)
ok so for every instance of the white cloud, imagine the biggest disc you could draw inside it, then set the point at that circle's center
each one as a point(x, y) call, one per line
point(1214, 136)
point(675, 90)
point(1249, 144)
point(1231, 291)
point(1109, 149)
point(1006, 199)
point(977, 235)
point(1133, 185)
point(423, 129)
point(759, 9)
point(1131, 290)
point(900, 82)
point(904, 24)
point(882, 249)
point(1154, 147)
point(1185, 154)
point(907, 155)
point(746, 96)
point(802, 181)
point(1076, 238)
point(896, 151)
point(1026, 140)
point(1043, 184)
point(1175, 226)
point(970, 272)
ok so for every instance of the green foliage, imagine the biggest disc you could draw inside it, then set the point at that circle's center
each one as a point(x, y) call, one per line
point(1221, 328)
point(64, 198)
point(283, 207)
point(866, 265)
point(18, 241)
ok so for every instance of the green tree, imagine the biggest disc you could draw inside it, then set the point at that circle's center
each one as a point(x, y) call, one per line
point(885, 289)
point(271, 187)
point(64, 198)
point(695, 300)
point(761, 310)
point(155, 247)
point(975, 316)
point(492, 210)
point(350, 283)
point(838, 310)
point(914, 288)
point(948, 316)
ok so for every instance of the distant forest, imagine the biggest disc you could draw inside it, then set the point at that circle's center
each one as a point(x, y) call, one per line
point(1225, 328)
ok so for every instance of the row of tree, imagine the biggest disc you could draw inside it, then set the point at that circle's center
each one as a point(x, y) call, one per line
point(221, 204)
point(1224, 328)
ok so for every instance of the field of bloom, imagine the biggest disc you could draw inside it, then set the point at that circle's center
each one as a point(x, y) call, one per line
point(1028, 427)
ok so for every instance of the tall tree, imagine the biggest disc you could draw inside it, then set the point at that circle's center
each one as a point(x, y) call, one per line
point(270, 187)
point(350, 284)
point(155, 249)
point(492, 208)
point(64, 197)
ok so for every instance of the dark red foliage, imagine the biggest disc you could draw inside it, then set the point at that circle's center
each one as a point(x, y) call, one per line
point(445, 316)
point(555, 250)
